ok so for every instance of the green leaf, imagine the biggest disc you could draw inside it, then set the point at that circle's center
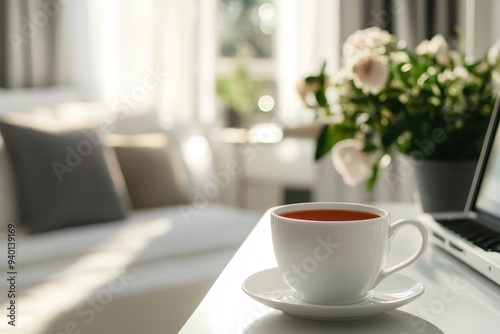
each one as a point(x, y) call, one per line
point(323, 67)
point(324, 143)
point(312, 79)
point(370, 183)
point(360, 99)
point(370, 147)
point(321, 98)
point(331, 134)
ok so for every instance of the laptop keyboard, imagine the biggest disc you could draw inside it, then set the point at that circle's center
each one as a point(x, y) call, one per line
point(479, 235)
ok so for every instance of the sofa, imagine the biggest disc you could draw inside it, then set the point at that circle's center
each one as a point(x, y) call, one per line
point(143, 272)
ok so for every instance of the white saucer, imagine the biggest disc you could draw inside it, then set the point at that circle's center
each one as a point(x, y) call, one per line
point(269, 288)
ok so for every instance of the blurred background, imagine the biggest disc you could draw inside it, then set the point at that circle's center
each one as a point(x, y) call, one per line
point(220, 63)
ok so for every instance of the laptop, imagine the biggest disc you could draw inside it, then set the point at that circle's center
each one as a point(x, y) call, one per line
point(474, 235)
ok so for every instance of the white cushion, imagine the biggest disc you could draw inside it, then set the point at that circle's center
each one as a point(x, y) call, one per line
point(161, 259)
point(155, 234)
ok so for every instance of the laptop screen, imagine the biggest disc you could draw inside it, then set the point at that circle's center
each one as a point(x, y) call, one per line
point(487, 192)
point(488, 198)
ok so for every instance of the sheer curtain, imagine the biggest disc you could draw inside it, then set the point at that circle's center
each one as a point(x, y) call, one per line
point(418, 20)
point(307, 36)
point(32, 39)
point(155, 56)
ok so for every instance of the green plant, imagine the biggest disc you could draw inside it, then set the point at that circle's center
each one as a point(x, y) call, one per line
point(239, 90)
point(389, 99)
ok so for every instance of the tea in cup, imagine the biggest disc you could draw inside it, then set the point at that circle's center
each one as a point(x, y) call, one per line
point(335, 253)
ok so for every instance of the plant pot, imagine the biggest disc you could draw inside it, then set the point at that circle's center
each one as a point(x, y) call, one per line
point(444, 186)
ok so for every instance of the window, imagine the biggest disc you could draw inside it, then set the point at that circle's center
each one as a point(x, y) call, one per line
point(246, 86)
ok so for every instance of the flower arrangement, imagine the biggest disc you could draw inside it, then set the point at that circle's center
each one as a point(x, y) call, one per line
point(429, 104)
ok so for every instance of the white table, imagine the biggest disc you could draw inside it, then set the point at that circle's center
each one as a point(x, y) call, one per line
point(457, 299)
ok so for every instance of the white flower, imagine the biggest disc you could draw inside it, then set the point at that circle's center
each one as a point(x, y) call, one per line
point(350, 162)
point(423, 48)
point(399, 57)
point(372, 39)
point(482, 67)
point(461, 72)
point(456, 58)
point(370, 73)
point(463, 75)
point(341, 76)
point(342, 80)
point(446, 76)
point(494, 56)
point(437, 48)
point(305, 89)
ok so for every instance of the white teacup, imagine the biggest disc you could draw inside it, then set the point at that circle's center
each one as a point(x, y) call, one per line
point(336, 260)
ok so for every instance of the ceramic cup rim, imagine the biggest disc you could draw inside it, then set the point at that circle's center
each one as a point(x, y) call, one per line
point(383, 214)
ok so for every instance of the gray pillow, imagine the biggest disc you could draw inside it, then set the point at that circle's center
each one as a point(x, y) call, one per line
point(62, 176)
point(8, 202)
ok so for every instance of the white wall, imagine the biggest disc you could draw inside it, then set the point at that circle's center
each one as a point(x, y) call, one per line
point(483, 25)
point(495, 21)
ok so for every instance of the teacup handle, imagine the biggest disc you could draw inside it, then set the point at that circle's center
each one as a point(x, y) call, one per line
point(393, 228)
